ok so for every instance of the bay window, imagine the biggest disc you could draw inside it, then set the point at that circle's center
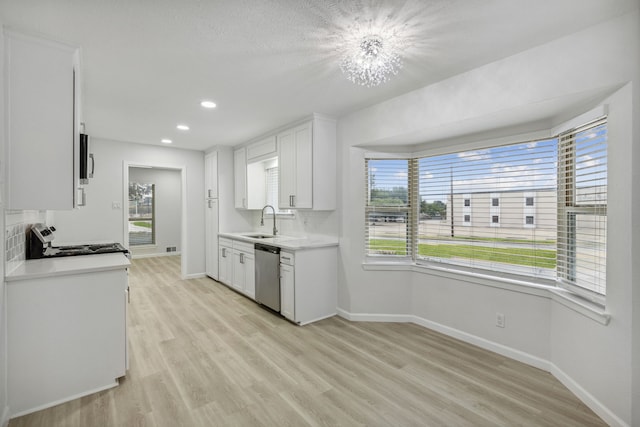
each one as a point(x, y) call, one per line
point(538, 208)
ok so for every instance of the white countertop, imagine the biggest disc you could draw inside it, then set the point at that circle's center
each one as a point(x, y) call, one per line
point(47, 267)
point(293, 243)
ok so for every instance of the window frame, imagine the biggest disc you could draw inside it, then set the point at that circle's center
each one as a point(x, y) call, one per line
point(529, 210)
point(411, 211)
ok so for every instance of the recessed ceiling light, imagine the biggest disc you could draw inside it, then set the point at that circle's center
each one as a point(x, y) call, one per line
point(166, 141)
point(182, 127)
point(208, 104)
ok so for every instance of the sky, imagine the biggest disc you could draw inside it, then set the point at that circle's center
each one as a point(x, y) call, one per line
point(524, 166)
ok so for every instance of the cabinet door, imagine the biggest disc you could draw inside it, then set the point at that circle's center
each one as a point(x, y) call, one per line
point(42, 134)
point(295, 164)
point(211, 238)
point(304, 167)
point(287, 291)
point(211, 176)
point(240, 177)
point(238, 279)
point(250, 276)
point(286, 169)
point(225, 267)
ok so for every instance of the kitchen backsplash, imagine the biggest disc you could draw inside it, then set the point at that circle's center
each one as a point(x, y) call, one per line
point(16, 223)
point(303, 223)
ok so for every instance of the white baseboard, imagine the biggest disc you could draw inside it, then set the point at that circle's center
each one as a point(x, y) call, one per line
point(587, 398)
point(194, 276)
point(369, 317)
point(153, 255)
point(503, 350)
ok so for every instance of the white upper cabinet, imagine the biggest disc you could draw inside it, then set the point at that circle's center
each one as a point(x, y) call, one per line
point(307, 165)
point(42, 119)
point(211, 176)
point(240, 177)
point(261, 150)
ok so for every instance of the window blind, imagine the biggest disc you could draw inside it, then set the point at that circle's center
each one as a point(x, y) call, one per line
point(493, 208)
point(388, 211)
point(582, 208)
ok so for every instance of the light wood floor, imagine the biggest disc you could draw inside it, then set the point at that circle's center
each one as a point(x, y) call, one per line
point(202, 355)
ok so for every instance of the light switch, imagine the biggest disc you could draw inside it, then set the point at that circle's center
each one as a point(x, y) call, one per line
point(115, 205)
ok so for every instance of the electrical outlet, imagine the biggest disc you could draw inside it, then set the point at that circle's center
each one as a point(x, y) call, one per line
point(500, 320)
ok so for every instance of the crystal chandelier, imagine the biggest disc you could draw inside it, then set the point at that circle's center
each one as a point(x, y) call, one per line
point(370, 59)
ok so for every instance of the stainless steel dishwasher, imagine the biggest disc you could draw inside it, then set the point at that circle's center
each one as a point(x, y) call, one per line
point(268, 276)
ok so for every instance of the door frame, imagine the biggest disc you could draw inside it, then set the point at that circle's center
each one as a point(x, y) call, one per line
point(126, 164)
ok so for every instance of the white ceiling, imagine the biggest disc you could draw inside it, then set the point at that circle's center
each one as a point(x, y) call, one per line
point(147, 64)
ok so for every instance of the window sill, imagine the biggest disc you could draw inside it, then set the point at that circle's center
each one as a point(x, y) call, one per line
point(545, 290)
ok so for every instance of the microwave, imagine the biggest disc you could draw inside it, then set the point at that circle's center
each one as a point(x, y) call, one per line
point(85, 156)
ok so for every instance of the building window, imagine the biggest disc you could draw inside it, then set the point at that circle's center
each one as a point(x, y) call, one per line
point(142, 230)
point(545, 202)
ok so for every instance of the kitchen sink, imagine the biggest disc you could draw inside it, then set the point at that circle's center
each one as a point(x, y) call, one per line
point(259, 236)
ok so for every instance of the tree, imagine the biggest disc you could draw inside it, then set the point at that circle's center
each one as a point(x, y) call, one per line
point(436, 209)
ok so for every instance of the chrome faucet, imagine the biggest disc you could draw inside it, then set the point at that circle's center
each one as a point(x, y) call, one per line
point(275, 230)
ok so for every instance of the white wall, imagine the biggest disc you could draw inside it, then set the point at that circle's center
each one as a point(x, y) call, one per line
point(530, 91)
point(99, 221)
point(168, 208)
point(4, 410)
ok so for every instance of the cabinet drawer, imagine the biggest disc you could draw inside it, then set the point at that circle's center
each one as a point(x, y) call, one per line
point(223, 241)
point(243, 247)
point(287, 258)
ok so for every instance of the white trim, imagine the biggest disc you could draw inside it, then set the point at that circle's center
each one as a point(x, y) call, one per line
point(501, 349)
point(587, 398)
point(153, 255)
point(317, 319)
point(589, 116)
point(371, 317)
point(196, 276)
point(64, 400)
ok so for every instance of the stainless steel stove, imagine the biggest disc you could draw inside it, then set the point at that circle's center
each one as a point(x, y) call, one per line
point(39, 245)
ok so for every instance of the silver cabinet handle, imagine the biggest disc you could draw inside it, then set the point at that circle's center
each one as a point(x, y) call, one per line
point(294, 200)
point(93, 165)
point(209, 201)
point(209, 193)
point(83, 197)
point(224, 252)
point(286, 258)
point(241, 258)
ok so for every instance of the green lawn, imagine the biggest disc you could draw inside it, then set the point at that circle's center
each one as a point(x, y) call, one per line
point(544, 258)
point(142, 224)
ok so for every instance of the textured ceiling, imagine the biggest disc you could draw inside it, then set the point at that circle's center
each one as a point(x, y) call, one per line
point(148, 63)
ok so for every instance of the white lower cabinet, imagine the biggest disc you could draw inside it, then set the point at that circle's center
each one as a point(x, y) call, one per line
point(309, 284)
point(66, 337)
point(225, 265)
point(287, 291)
point(237, 266)
point(244, 279)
